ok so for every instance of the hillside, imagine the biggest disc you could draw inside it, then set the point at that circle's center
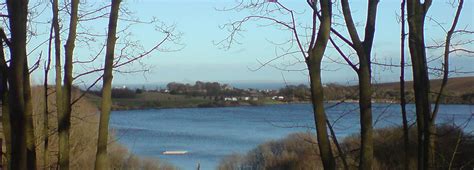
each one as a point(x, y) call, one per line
point(459, 90)
point(457, 84)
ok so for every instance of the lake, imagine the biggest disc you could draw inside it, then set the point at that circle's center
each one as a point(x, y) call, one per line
point(209, 134)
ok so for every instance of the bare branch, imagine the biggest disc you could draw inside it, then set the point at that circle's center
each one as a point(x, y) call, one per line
point(87, 90)
point(446, 59)
point(353, 66)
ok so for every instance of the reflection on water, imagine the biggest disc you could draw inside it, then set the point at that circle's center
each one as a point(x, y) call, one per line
point(208, 134)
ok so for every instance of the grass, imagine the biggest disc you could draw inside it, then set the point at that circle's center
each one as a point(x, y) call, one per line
point(152, 100)
point(83, 138)
point(157, 100)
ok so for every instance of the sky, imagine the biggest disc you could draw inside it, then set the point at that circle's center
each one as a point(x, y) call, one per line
point(198, 57)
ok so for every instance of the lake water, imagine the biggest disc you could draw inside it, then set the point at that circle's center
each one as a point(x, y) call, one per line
point(209, 134)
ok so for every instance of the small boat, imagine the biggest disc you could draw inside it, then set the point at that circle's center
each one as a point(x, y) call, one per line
point(174, 152)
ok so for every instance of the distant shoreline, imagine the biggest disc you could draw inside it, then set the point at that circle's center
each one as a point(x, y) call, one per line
point(247, 104)
point(213, 94)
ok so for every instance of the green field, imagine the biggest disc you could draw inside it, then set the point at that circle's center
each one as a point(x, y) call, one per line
point(153, 100)
point(156, 100)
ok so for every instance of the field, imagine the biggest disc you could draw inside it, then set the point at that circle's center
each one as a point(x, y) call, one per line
point(458, 84)
point(460, 90)
point(153, 100)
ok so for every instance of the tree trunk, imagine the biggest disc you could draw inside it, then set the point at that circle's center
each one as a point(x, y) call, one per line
point(317, 99)
point(45, 106)
point(447, 52)
point(421, 85)
point(18, 12)
point(64, 119)
point(406, 161)
point(29, 130)
point(317, 96)
point(45, 125)
point(57, 53)
point(365, 105)
point(6, 126)
point(101, 156)
point(363, 50)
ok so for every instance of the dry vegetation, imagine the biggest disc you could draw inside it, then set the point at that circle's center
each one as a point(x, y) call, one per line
point(83, 138)
point(459, 90)
point(299, 151)
point(459, 84)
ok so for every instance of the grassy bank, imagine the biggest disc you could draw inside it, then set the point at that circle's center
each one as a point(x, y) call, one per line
point(83, 138)
point(157, 100)
point(458, 91)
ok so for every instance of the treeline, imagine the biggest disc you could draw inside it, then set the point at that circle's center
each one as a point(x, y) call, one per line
point(119, 92)
point(336, 92)
point(292, 93)
point(204, 89)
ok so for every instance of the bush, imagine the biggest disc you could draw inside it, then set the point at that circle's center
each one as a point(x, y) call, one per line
point(123, 93)
point(120, 158)
point(293, 152)
point(300, 151)
point(389, 147)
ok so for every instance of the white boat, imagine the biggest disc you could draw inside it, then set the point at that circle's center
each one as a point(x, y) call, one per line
point(174, 152)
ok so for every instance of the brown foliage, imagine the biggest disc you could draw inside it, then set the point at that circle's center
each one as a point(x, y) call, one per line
point(83, 139)
point(298, 151)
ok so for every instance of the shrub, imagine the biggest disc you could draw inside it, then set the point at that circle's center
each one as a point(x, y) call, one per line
point(299, 151)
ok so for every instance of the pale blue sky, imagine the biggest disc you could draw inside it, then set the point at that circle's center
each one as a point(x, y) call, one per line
point(201, 59)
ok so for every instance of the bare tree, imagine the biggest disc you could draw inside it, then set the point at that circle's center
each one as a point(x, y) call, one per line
point(101, 156)
point(312, 52)
point(363, 49)
point(315, 52)
point(45, 131)
point(402, 87)
point(22, 137)
point(6, 126)
point(57, 56)
point(64, 118)
point(416, 19)
point(426, 118)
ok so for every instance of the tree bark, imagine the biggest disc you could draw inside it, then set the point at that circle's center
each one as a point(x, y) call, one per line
point(57, 58)
point(317, 99)
point(365, 105)
point(363, 50)
point(406, 161)
point(421, 85)
point(30, 130)
point(45, 106)
point(317, 96)
point(6, 126)
point(57, 53)
point(18, 12)
point(64, 119)
point(101, 156)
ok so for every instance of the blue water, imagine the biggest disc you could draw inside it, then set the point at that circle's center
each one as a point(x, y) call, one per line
point(209, 134)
